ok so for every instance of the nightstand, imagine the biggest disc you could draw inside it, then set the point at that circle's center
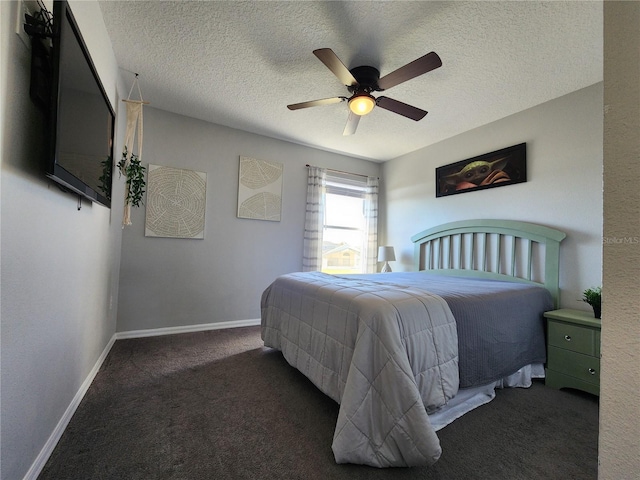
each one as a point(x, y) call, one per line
point(573, 350)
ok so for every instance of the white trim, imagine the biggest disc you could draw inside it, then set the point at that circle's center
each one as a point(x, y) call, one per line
point(154, 332)
point(47, 450)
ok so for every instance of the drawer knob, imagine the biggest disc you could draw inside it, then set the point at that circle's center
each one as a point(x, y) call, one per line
point(567, 338)
point(592, 371)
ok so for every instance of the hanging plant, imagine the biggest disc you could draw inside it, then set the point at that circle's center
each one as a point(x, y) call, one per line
point(130, 165)
point(133, 170)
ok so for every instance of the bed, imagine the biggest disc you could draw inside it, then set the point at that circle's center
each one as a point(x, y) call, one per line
point(406, 353)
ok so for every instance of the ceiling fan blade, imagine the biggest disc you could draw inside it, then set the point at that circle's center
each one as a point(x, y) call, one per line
point(316, 103)
point(400, 108)
point(352, 124)
point(424, 64)
point(333, 63)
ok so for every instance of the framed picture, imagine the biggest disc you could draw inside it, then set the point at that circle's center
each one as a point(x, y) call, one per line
point(260, 189)
point(176, 202)
point(496, 169)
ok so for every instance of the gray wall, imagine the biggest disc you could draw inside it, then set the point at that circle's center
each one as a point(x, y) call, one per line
point(59, 265)
point(563, 188)
point(167, 282)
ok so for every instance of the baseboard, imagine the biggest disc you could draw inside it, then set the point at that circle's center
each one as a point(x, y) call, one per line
point(53, 439)
point(153, 332)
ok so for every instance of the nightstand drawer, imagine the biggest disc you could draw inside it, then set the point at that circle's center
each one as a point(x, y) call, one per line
point(572, 337)
point(583, 367)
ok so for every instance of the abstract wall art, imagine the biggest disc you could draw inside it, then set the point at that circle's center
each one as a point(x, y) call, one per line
point(260, 189)
point(176, 202)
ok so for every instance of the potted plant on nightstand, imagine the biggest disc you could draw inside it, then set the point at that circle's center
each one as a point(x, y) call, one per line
point(593, 296)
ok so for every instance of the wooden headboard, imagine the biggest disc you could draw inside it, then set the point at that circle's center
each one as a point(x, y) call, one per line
point(495, 249)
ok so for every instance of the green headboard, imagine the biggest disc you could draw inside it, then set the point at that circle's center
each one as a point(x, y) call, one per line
point(495, 249)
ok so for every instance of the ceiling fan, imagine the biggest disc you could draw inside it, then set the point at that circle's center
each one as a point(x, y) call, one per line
point(361, 81)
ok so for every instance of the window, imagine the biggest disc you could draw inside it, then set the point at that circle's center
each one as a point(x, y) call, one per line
point(343, 236)
point(341, 222)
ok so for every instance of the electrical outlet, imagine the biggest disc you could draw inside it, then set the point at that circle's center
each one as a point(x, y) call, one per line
point(22, 11)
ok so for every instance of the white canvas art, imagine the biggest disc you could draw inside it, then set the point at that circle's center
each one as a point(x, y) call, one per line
point(176, 201)
point(260, 189)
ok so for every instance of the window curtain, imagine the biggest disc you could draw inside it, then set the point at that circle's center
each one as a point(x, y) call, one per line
point(314, 220)
point(371, 226)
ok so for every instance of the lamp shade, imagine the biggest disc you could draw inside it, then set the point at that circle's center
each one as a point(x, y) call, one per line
point(362, 104)
point(386, 254)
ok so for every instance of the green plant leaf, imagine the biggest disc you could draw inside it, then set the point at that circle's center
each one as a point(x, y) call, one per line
point(134, 173)
point(593, 296)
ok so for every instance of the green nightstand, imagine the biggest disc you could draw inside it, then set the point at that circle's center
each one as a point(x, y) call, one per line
point(573, 350)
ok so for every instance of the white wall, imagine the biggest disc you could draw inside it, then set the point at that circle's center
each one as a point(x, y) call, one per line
point(59, 265)
point(563, 188)
point(176, 282)
point(619, 441)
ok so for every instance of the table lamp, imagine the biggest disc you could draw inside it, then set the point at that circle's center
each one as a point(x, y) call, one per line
point(386, 255)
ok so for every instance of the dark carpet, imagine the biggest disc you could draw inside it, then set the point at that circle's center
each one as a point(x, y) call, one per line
point(218, 405)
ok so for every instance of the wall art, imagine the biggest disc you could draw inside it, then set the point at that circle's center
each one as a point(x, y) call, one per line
point(176, 202)
point(260, 189)
point(502, 167)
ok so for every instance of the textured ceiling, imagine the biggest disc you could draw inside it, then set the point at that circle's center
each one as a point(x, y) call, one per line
point(240, 64)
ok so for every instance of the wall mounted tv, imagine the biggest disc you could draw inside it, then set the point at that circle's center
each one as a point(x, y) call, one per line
point(81, 118)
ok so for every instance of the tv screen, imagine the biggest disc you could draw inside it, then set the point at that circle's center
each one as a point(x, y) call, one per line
point(81, 116)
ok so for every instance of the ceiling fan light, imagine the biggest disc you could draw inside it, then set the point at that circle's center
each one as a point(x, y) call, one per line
point(362, 104)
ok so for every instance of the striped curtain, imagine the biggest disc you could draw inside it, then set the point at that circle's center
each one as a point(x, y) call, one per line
point(371, 226)
point(314, 220)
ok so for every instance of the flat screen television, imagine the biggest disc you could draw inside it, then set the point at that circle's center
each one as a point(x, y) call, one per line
point(81, 118)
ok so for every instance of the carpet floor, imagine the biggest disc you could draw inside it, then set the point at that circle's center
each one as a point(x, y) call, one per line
point(219, 405)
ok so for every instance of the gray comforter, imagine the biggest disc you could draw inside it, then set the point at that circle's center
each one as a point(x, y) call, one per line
point(500, 324)
point(387, 348)
point(388, 354)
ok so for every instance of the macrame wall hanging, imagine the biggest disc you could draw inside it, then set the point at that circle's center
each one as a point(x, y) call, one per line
point(130, 165)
